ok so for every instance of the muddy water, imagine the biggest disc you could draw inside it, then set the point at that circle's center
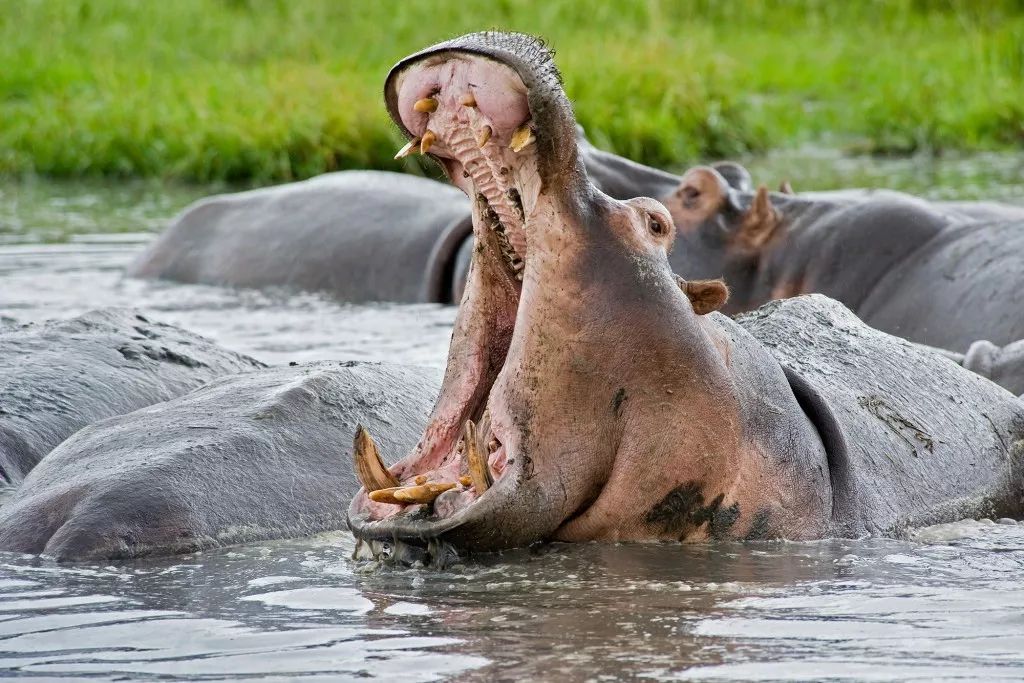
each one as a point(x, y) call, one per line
point(948, 604)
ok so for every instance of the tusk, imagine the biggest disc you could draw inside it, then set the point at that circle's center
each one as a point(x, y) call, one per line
point(427, 142)
point(407, 495)
point(785, 187)
point(468, 100)
point(479, 472)
point(483, 136)
point(428, 105)
point(409, 148)
point(372, 472)
point(425, 493)
point(522, 138)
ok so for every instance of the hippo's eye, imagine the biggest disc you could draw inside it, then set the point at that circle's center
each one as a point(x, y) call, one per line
point(656, 226)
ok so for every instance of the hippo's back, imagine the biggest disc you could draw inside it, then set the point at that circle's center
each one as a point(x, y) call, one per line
point(912, 436)
point(257, 455)
point(60, 376)
point(356, 235)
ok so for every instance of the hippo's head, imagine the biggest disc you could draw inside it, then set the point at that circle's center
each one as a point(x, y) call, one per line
point(582, 384)
point(726, 229)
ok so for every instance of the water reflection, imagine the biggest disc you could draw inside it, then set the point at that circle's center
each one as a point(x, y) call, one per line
point(848, 610)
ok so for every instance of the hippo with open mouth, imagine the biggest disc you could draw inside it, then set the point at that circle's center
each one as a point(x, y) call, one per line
point(591, 394)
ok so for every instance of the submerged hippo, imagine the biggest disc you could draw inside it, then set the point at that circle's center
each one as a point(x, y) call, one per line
point(358, 236)
point(60, 376)
point(945, 276)
point(587, 397)
point(258, 455)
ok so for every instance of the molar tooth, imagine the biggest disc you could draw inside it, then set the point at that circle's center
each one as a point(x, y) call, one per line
point(427, 105)
point(409, 148)
point(424, 493)
point(522, 138)
point(479, 472)
point(483, 136)
point(465, 481)
point(371, 470)
point(468, 100)
point(428, 141)
point(421, 479)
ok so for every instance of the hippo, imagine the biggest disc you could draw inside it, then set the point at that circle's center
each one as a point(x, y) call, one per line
point(941, 275)
point(60, 376)
point(358, 236)
point(252, 456)
point(592, 394)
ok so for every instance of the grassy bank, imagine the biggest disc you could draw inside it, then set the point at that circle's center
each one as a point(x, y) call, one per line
point(265, 90)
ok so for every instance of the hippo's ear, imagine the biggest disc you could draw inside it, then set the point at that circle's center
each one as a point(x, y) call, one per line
point(760, 222)
point(705, 295)
point(702, 193)
point(735, 174)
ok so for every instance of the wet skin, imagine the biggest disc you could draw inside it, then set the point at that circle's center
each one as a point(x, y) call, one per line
point(60, 376)
point(945, 275)
point(591, 395)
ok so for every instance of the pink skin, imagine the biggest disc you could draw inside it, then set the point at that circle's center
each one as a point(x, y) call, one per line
point(605, 390)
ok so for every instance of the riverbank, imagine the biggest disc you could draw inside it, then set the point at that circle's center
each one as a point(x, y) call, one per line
point(259, 91)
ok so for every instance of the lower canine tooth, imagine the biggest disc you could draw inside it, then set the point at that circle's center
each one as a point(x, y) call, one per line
point(522, 138)
point(427, 142)
point(370, 468)
point(409, 148)
point(483, 136)
point(479, 472)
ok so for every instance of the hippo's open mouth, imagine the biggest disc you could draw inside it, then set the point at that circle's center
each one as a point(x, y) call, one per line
point(468, 104)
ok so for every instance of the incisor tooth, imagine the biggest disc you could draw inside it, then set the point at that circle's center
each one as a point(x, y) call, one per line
point(409, 148)
point(427, 142)
point(522, 138)
point(468, 100)
point(424, 493)
point(427, 105)
point(479, 473)
point(483, 136)
point(371, 470)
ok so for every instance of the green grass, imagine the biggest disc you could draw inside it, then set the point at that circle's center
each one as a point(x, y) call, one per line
point(266, 90)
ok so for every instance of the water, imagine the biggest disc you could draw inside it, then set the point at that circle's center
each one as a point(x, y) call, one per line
point(948, 605)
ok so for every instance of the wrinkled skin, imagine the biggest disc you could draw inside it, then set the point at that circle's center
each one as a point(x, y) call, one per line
point(258, 455)
point(942, 275)
point(60, 376)
point(610, 404)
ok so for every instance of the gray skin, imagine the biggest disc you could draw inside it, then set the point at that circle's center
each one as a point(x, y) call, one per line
point(358, 236)
point(60, 376)
point(1004, 365)
point(944, 276)
point(796, 421)
point(260, 455)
